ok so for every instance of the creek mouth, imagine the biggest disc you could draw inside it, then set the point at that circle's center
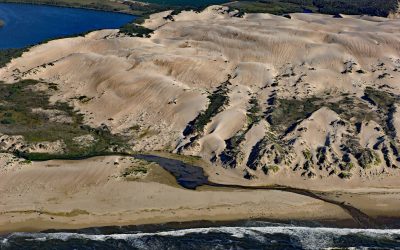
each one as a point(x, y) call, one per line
point(191, 177)
point(187, 176)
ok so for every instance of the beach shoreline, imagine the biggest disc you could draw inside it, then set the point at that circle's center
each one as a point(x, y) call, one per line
point(44, 223)
point(93, 193)
point(195, 224)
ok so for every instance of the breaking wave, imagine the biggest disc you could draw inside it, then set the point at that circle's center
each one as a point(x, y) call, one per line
point(253, 237)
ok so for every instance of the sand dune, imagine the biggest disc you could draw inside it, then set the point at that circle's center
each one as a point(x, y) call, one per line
point(161, 84)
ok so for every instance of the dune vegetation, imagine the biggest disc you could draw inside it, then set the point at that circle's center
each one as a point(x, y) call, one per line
point(6, 55)
point(26, 111)
point(146, 7)
point(358, 7)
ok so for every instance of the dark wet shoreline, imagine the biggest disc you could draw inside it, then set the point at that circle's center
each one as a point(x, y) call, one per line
point(151, 228)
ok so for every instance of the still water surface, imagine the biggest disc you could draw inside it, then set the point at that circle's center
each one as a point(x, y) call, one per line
point(27, 24)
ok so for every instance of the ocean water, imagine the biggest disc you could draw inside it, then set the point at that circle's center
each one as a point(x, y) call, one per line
point(27, 24)
point(261, 235)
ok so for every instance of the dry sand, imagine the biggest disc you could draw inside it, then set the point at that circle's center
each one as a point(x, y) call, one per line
point(77, 194)
point(160, 84)
point(61, 194)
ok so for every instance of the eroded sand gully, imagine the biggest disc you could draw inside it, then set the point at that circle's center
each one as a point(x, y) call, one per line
point(250, 66)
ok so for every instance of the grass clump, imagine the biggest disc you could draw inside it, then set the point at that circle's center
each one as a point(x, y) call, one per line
point(307, 154)
point(270, 169)
point(134, 171)
point(346, 166)
point(345, 175)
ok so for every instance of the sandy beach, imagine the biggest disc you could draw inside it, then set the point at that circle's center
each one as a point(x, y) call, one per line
point(94, 192)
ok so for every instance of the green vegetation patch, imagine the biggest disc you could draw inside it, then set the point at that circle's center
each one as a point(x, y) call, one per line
point(254, 112)
point(307, 154)
point(350, 108)
point(334, 7)
point(366, 157)
point(382, 99)
point(217, 100)
point(345, 175)
point(269, 144)
point(385, 102)
point(18, 116)
point(270, 169)
point(6, 55)
point(135, 171)
point(346, 166)
point(133, 29)
point(356, 7)
point(286, 112)
point(277, 7)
